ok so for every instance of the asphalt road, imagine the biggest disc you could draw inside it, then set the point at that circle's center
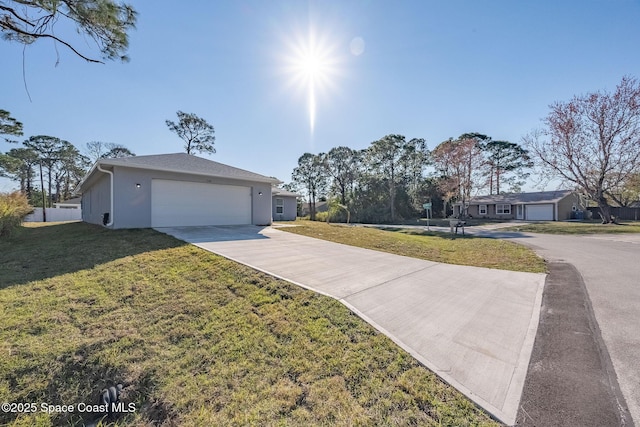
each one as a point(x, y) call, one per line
point(610, 269)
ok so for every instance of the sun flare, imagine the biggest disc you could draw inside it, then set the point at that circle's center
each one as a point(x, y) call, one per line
point(311, 63)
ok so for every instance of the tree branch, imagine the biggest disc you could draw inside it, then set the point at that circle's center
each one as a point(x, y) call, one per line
point(36, 35)
point(15, 14)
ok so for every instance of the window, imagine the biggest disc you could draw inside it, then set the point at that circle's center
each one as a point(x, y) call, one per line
point(279, 206)
point(503, 209)
point(482, 209)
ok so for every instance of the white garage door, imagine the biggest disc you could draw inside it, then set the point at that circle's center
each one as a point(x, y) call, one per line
point(539, 212)
point(183, 203)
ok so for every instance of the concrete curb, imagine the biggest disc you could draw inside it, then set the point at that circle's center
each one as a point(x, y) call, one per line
point(570, 380)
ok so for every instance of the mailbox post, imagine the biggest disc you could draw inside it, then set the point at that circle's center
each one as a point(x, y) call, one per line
point(455, 223)
point(427, 207)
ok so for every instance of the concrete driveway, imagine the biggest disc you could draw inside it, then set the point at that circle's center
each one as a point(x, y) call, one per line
point(610, 268)
point(474, 327)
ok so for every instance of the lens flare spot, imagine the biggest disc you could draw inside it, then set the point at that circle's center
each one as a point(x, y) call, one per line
point(357, 46)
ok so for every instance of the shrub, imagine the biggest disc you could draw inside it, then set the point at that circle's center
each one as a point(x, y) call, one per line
point(322, 216)
point(14, 207)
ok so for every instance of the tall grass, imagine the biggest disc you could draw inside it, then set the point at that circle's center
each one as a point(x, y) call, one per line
point(14, 207)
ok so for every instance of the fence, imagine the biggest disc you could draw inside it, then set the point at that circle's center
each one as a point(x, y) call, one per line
point(632, 214)
point(55, 214)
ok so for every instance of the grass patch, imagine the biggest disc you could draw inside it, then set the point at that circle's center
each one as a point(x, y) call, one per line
point(559, 227)
point(196, 339)
point(432, 246)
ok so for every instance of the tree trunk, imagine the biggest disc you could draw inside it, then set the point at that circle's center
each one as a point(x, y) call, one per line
point(44, 200)
point(49, 195)
point(312, 205)
point(392, 195)
point(29, 188)
point(445, 202)
point(58, 186)
point(491, 182)
point(605, 211)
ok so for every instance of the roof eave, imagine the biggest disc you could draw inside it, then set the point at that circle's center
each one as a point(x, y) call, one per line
point(106, 162)
point(78, 189)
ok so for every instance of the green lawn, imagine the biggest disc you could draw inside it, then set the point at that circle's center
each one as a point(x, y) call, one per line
point(432, 246)
point(590, 227)
point(196, 339)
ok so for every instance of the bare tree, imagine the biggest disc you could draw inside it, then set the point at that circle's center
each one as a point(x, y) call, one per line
point(106, 150)
point(117, 152)
point(592, 141)
point(458, 163)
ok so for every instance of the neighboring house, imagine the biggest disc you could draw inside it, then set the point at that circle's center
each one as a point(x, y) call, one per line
point(284, 204)
point(74, 203)
point(540, 206)
point(320, 207)
point(168, 190)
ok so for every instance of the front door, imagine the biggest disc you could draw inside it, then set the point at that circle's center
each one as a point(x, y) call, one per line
point(520, 212)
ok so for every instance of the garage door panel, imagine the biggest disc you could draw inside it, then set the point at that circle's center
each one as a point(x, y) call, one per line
point(182, 203)
point(539, 212)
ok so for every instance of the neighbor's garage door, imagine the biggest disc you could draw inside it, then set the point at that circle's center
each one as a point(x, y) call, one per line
point(182, 203)
point(539, 212)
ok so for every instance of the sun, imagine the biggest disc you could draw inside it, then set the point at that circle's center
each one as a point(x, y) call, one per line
point(312, 66)
point(313, 69)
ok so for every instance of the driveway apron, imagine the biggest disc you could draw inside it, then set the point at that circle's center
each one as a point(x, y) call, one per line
point(474, 327)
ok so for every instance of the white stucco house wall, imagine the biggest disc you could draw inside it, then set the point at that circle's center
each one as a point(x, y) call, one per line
point(168, 190)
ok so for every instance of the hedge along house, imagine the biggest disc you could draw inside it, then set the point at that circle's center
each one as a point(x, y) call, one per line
point(539, 206)
point(169, 190)
point(285, 204)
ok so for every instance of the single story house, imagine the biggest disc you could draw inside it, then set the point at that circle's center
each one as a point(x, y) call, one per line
point(74, 203)
point(539, 206)
point(321, 206)
point(168, 190)
point(285, 204)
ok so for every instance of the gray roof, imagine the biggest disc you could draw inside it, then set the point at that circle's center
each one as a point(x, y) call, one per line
point(319, 204)
point(182, 163)
point(275, 191)
point(74, 201)
point(532, 198)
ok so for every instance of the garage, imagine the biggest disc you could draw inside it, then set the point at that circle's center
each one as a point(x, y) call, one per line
point(183, 203)
point(539, 212)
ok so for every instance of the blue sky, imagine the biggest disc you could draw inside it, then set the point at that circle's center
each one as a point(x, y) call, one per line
point(428, 69)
